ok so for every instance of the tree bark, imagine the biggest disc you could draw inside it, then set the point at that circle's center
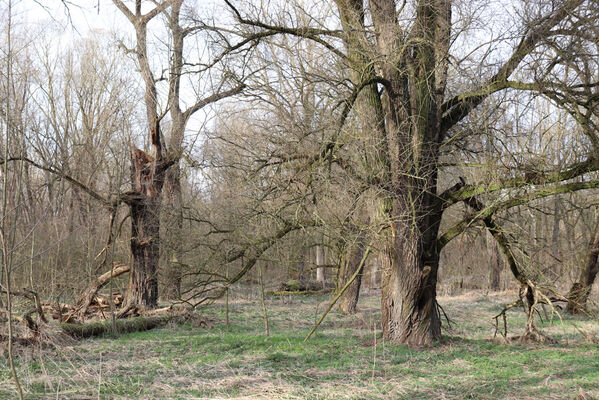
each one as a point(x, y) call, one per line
point(148, 175)
point(145, 252)
point(409, 305)
point(580, 291)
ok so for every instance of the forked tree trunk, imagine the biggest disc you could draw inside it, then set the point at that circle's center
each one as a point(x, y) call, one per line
point(348, 301)
point(580, 291)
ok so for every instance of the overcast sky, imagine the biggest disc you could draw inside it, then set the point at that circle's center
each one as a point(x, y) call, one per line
point(77, 17)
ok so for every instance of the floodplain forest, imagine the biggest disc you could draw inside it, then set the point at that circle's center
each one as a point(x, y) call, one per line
point(299, 199)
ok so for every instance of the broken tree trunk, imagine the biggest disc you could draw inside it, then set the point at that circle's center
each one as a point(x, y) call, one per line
point(87, 297)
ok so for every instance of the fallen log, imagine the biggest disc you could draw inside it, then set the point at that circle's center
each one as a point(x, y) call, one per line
point(137, 324)
point(297, 292)
point(295, 285)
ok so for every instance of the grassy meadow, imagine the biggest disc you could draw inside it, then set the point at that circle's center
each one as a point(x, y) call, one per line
point(346, 358)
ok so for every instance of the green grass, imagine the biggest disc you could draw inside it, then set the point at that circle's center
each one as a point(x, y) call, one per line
point(339, 362)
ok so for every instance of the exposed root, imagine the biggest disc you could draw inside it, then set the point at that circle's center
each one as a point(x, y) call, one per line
point(502, 314)
point(530, 298)
point(441, 310)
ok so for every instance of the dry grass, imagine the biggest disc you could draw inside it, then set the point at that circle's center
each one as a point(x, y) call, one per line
point(340, 362)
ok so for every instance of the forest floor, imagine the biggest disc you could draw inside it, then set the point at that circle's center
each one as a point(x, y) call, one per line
point(345, 359)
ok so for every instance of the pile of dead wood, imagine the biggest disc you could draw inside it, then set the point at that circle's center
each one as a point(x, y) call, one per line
point(93, 314)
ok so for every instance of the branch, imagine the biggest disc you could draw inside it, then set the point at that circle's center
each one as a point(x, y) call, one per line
point(109, 205)
point(251, 261)
point(158, 9)
point(125, 10)
point(513, 202)
point(304, 31)
point(464, 192)
point(460, 106)
point(212, 99)
point(498, 233)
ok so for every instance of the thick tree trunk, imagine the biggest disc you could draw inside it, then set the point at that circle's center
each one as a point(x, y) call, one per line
point(580, 291)
point(348, 301)
point(144, 202)
point(145, 253)
point(409, 299)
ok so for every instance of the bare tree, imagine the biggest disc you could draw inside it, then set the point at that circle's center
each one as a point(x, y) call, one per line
point(149, 172)
point(399, 54)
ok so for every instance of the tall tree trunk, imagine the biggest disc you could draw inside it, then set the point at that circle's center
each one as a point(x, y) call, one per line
point(580, 291)
point(174, 228)
point(348, 301)
point(173, 195)
point(413, 114)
